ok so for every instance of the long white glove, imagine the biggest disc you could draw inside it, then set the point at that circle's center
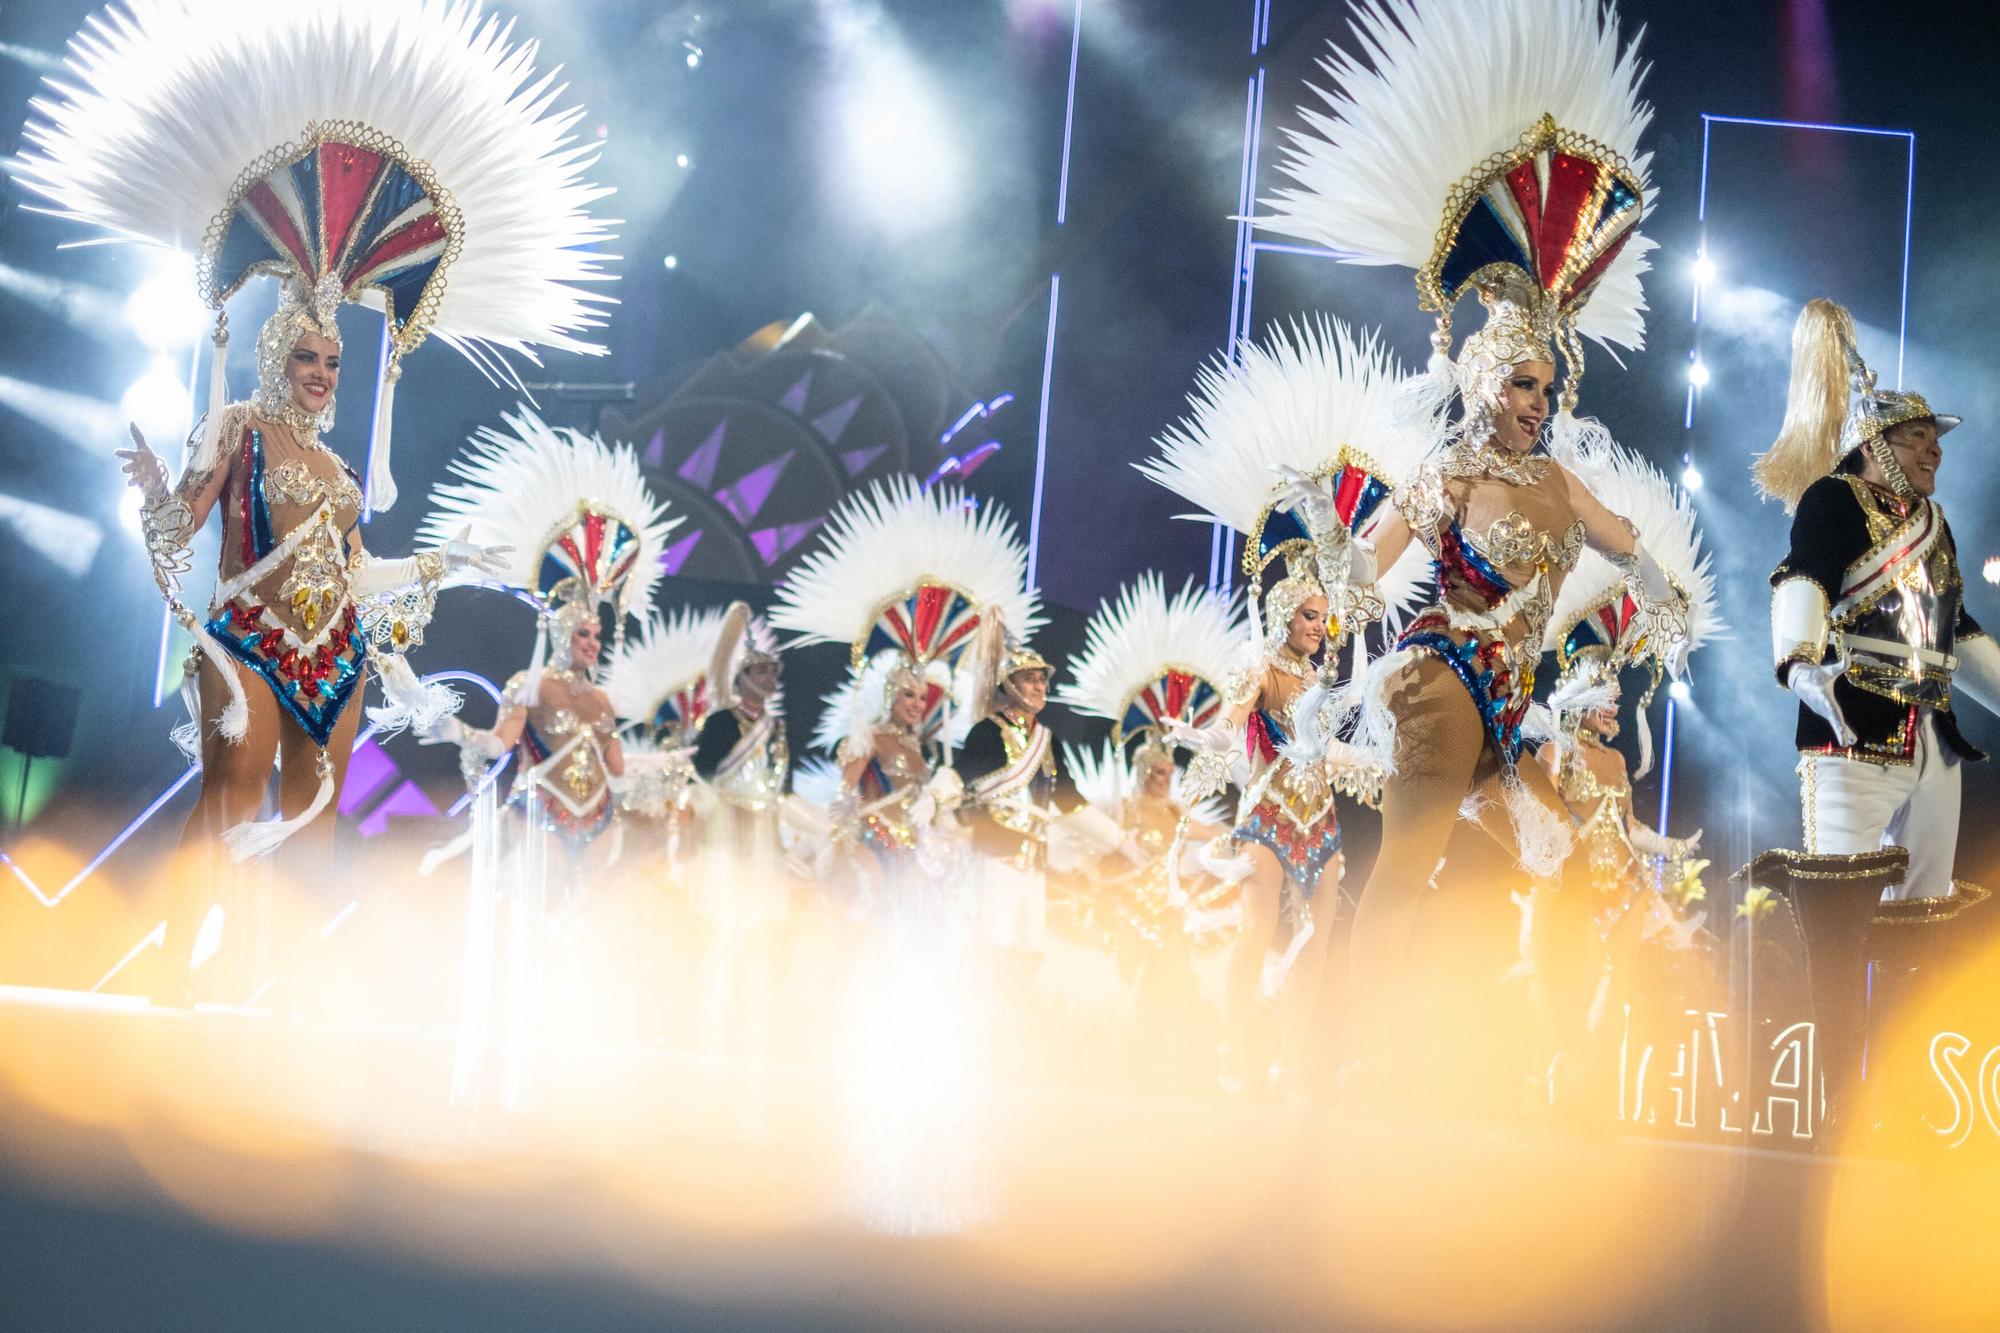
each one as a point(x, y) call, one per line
point(372, 575)
point(1663, 605)
point(1208, 772)
point(1814, 686)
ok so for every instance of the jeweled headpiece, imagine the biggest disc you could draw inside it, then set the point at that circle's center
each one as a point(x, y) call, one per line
point(1521, 120)
point(364, 152)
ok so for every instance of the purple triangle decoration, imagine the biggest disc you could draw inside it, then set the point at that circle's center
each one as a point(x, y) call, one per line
point(771, 543)
point(794, 400)
point(832, 425)
point(675, 557)
point(656, 449)
point(700, 465)
point(368, 771)
point(747, 494)
point(856, 461)
point(407, 800)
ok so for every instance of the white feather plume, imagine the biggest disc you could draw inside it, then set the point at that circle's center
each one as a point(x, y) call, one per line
point(1102, 776)
point(1633, 489)
point(165, 103)
point(1429, 92)
point(817, 781)
point(1132, 641)
point(881, 542)
point(1296, 399)
point(669, 655)
point(519, 487)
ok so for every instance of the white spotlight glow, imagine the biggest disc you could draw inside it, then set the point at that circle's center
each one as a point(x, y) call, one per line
point(129, 505)
point(1702, 270)
point(672, 261)
point(681, 160)
point(1691, 477)
point(1698, 375)
point(1679, 692)
point(163, 309)
point(901, 160)
point(1992, 569)
point(157, 403)
point(66, 540)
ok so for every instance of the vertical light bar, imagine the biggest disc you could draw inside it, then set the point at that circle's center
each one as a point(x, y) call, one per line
point(381, 387)
point(1069, 113)
point(1909, 209)
point(1042, 435)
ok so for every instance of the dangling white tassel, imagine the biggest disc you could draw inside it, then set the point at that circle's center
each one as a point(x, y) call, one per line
point(1277, 969)
point(381, 481)
point(234, 723)
point(253, 839)
point(208, 447)
point(1645, 742)
point(408, 703)
point(188, 734)
point(531, 684)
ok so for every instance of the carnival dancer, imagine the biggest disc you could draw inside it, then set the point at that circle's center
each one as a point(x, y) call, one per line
point(1312, 406)
point(1870, 631)
point(658, 683)
point(584, 537)
point(285, 148)
point(905, 578)
point(1149, 661)
point(1642, 883)
point(1529, 114)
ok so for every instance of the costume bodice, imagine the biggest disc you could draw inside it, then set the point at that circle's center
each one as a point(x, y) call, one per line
point(286, 514)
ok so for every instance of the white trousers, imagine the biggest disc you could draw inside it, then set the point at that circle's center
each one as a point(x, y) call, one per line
point(1851, 806)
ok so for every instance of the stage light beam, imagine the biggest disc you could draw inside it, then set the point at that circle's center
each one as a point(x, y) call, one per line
point(1702, 270)
point(1691, 478)
point(158, 404)
point(164, 309)
point(901, 161)
point(1698, 375)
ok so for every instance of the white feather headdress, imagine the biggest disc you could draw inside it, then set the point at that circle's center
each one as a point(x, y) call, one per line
point(1594, 627)
point(1310, 395)
point(1412, 124)
point(575, 510)
point(1148, 658)
point(448, 184)
point(659, 676)
point(902, 567)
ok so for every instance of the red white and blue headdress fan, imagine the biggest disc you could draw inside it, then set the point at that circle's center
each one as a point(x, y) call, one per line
point(1149, 659)
point(1595, 630)
point(1493, 147)
point(1314, 397)
point(403, 154)
point(861, 701)
point(584, 529)
point(915, 572)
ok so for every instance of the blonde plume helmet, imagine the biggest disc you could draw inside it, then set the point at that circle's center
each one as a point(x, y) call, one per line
point(1824, 363)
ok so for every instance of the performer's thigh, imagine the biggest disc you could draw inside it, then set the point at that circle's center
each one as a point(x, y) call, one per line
point(235, 773)
point(1439, 739)
point(1847, 804)
point(1532, 800)
point(1927, 825)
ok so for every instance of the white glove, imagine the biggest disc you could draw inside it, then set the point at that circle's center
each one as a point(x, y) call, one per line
point(1814, 686)
point(1309, 499)
point(1214, 737)
point(1362, 565)
point(460, 554)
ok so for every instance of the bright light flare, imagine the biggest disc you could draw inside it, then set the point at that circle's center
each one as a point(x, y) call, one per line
point(164, 309)
point(68, 540)
point(1691, 478)
point(1702, 270)
point(1698, 375)
point(1992, 569)
point(158, 404)
point(1679, 692)
point(900, 161)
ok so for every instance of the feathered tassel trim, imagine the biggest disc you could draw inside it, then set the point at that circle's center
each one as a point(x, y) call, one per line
point(1542, 838)
point(253, 839)
point(381, 480)
point(1279, 968)
point(188, 734)
point(1808, 443)
point(208, 437)
point(408, 703)
point(234, 724)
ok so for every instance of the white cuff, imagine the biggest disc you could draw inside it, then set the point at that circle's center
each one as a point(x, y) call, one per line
point(1799, 624)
